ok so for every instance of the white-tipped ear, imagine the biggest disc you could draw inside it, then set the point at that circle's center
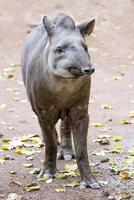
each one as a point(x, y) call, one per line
point(49, 26)
point(86, 28)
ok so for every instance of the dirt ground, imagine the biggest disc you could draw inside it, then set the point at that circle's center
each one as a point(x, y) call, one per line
point(112, 52)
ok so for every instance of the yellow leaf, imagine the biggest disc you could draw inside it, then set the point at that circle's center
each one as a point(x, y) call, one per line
point(98, 125)
point(118, 139)
point(15, 98)
point(33, 188)
point(125, 175)
point(71, 167)
point(118, 147)
point(72, 184)
point(125, 122)
point(2, 106)
point(60, 189)
point(131, 114)
point(116, 78)
point(28, 165)
point(2, 161)
point(107, 106)
point(5, 147)
point(20, 151)
point(11, 77)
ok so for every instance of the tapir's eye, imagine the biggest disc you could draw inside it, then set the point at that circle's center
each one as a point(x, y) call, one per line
point(86, 48)
point(59, 50)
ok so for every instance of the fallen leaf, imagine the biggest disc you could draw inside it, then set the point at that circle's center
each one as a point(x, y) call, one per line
point(35, 171)
point(118, 139)
point(124, 195)
point(72, 184)
point(71, 167)
point(60, 189)
point(123, 122)
point(98, 125)
point(99, 153)
point(2, 161)
point(13, 172)
point(131, 114)
point(116, 78)
point(2, 106)
point(11, 77)
point(105, 159)
point(28, 165)
point(42, 179)
point(118, 147)
point(102, 141)
point(5, 140)
point(15, 183)
point(125, 175)
point(131, 151)
point(5, 147)
point(10, 128)
point(106, 106)
point(33, 188)
point(15, 98)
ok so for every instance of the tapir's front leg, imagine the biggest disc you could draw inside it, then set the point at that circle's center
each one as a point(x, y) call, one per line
point(80, 128)
point(50, 140)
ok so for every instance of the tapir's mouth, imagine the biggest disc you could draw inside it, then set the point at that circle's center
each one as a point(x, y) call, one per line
point(75, 71)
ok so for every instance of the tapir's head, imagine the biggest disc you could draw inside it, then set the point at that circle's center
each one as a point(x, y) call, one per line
point(68, 53)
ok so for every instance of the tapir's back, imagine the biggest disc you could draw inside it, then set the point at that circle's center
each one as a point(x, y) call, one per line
point(34, 43)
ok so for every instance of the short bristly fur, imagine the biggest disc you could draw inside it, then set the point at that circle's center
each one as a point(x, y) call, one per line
point(57, 72)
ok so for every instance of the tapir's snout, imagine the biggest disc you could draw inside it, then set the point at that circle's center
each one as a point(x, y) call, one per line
point(88, 70)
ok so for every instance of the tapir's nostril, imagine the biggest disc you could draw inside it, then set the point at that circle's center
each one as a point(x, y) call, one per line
point(92, 70)
point(88, 70)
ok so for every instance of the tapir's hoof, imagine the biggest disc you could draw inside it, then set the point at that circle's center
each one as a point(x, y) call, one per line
point(46, 174)
point(68, 156)
point(88, 183)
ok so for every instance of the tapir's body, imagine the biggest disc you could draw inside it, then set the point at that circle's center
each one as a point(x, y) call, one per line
point(56, 72)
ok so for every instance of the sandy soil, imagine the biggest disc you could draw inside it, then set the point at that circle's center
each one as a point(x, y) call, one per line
point(112, 51)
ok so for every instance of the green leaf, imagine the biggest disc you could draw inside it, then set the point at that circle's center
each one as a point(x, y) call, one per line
point(5, 140)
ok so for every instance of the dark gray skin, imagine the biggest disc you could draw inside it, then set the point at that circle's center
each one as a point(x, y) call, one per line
point(57, 72)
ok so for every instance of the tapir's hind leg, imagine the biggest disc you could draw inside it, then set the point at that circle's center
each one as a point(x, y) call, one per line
point(65, 148)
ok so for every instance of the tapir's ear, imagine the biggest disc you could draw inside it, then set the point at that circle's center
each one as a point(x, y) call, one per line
point(49, 26)
point(86, 28)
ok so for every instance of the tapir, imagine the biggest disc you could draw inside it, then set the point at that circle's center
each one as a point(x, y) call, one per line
point(57, 71)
